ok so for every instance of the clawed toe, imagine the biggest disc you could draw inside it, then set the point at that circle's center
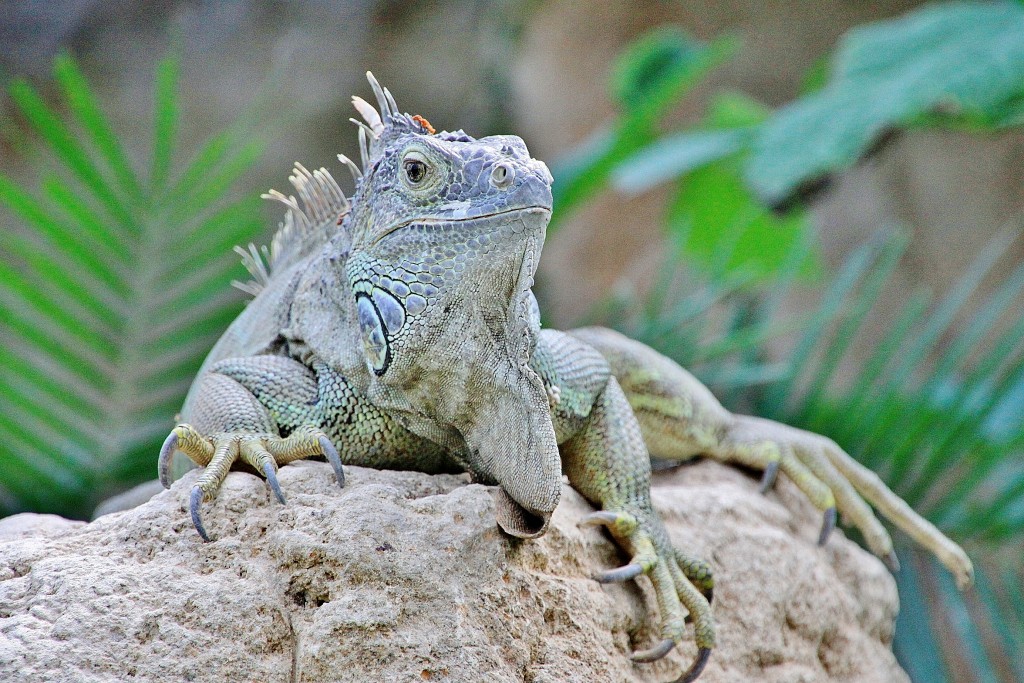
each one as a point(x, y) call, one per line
point(891, 561)
point(186, 439)
point(599, 518)
point(163, 464)
point(683, 585)
point(828, 524)
point(625, 573)
point(271, 474)
point(709, 595)
point(195, 500)
point(771, 473)
point(331, 453)
point(219, 452)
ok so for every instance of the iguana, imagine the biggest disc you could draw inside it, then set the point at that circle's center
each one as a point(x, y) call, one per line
point(397, 329)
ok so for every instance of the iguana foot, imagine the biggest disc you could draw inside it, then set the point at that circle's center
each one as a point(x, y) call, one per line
point(836, 484)
point(263, 452)
point(679, 582)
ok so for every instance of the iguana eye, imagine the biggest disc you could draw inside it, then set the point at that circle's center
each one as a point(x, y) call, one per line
point(415, 170)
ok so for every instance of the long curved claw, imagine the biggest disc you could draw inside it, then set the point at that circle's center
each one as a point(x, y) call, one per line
point(599, 518)
point(655, 653)
point(891, 561)
point(331, 453)
point(697, 668)
point(828, 524)
point(625, 573)
point(771, 473)
point(275, 486)
point(194, 501)
point(163, 465)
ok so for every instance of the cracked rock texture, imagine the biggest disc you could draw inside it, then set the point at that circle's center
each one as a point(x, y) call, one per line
point(403, 576)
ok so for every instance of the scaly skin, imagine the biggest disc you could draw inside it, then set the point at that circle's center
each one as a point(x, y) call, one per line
point(399, 330)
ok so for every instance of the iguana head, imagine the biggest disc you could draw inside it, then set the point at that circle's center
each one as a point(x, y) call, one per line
point(446, 231)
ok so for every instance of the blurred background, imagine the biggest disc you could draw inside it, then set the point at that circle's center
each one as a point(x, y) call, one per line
point(815, 206)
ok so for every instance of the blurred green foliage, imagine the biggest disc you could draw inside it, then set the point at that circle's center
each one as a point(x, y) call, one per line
point(113, 287)
point(935, 407)
point(652, 77)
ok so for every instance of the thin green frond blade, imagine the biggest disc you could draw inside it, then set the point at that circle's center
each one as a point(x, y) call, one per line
point(104, 239)
point(850, 430)
point(852, 320)
point(165, 120)
point(89, 115)
point(64, 145)
point(59, 385)
point(213, 238)
point(209, 316)
point(63, 244)
point(832, 304)
point(185, 203)
point(40, 318)
point(43, 408)
point(983, 322)
point(958, 434)
point(888, 406)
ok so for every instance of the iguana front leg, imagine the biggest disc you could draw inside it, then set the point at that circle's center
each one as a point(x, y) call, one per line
point(267, 411)
point(230, 425)
point(680, 419)
point(604, 456)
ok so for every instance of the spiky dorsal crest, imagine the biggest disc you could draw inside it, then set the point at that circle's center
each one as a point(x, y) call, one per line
point(313, 218)
point(309, 222)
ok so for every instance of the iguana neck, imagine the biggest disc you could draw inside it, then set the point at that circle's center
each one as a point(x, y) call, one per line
point(446, 318)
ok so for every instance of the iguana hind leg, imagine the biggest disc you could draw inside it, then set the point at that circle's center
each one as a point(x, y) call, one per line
point(604, 456)
point(680, 419)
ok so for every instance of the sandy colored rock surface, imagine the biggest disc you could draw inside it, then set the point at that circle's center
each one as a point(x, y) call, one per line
point(405, 577)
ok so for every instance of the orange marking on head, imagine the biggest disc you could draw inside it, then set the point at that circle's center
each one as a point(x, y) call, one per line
point(423, 122)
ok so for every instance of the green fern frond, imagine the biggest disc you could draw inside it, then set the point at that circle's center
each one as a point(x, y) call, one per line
point(103, 330)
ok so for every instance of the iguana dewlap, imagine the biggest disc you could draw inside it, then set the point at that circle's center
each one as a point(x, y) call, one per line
point(397, 329)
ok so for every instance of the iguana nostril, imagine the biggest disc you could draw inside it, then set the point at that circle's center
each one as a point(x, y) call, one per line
point(502, 175)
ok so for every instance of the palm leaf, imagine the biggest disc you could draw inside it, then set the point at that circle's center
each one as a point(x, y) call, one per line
point(103, 329)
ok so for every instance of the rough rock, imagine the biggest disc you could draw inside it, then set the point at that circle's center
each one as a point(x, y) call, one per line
point(403, 576)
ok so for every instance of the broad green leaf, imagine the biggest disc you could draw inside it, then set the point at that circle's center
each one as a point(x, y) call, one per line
point(655, 71)
point(648, 79)
point(720, 220)
point(672, 156)
point(959, 58)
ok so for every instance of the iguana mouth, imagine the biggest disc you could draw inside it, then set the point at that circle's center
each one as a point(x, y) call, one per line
point(434, 220)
